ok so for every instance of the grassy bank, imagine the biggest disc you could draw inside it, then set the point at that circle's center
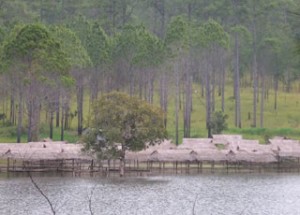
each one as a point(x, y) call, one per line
point(8, 135)
point(284, 121)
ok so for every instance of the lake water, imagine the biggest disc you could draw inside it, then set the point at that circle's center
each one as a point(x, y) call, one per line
point(275, 194)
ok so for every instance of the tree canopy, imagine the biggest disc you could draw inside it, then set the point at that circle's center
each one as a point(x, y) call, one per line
point(119, 118)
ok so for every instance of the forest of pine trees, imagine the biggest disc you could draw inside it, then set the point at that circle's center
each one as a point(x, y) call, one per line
point(57, 57)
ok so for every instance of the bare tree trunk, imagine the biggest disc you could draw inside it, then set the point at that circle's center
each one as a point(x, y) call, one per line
point(29, 121)
point(57, 109)
point(140, 87)
point(33, 118)
point(80, 105)
point(20, 117)
point(35, 121)
point(255, 73)
point(63, 111)
point(12, 108)
point(262, 100)
point(122, 161)
point(150, 81)
point(223, 81)
point(202, 87)
point(208, 101)
point(188, 99)
point(237, 83)
point(94, 83)
point(188, 106)
point(51, 124)
point(177, 102)
point(213, 83)
point(132, 85)
point(164, 96)
point(276, 93)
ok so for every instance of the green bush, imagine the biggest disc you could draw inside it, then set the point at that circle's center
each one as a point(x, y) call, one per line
point(8, 131)
point(218, 122)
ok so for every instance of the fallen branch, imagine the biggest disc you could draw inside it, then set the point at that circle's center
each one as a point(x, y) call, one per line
point(194, 205)
point(42, 193)
point(90, 200)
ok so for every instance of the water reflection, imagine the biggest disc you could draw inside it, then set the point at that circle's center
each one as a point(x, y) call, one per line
point(212, 194)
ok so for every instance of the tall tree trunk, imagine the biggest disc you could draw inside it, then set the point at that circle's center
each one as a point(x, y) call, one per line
point(208, 101)
point(223, 81)
point(188, 106)
point(51, 124)
point(94, 82)
point(164, 96)
point(262, 100)
point(132, 81)
point(80, 106)
point(141, 83)
point(67, 114)
point(213, 83)
point(12, 108)
point(276, 92)
point(29, 121)
point(237, 83)
point(177, 102)
point(202, 83)
point(255, 72)
point(122, 161)
point(63, 111)
point(33, 117)
point(20, 117)
point(57, 105)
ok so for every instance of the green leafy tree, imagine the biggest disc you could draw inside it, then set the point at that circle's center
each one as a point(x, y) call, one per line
point(119, 118)
point(99, 50)
point(134, 49)
point(40, 63)
point(218, 122)
point(80, 62)
point(177, 42)
point(210, 38)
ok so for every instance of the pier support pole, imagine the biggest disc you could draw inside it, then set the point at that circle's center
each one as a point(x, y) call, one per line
point(8, 164)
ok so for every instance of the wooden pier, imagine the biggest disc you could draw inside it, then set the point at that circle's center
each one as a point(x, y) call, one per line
point(78, 167)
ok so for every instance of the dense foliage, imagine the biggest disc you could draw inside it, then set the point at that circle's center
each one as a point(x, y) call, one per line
point(158, 50)
point(119, 118)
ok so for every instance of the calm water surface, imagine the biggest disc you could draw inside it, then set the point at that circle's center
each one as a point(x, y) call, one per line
point(276, 194)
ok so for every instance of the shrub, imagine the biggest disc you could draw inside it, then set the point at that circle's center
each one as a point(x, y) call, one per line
point(218, 122)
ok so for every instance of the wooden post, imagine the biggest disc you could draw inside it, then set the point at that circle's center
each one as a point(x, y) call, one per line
point(213, 167)
point(159, 167)
point(92, 167)
point(176, 166)
point(180, 166)
point(8, 164)
point(108, 165)
point(200, 166)
point(73, 168)
point(79, 168)
point(227, 167)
